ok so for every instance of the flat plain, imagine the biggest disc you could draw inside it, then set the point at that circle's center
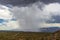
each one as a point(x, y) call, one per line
point(16, 35)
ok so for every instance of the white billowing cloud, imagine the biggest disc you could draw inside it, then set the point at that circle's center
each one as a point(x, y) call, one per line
point(45, 25)
point(53, 7)
point(6, 15)
point(12, 24)
point(9, 25)
point(4, 12)
point(32, 17)
point(50, 10)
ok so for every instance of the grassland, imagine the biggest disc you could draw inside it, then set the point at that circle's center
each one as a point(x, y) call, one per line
point(12, 35)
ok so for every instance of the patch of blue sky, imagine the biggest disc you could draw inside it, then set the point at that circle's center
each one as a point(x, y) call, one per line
point(2, 20)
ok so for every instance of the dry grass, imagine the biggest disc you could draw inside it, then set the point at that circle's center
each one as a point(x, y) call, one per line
point(29, 36)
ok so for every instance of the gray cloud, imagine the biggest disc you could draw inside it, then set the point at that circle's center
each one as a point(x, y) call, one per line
point(50, 1)
point(26, 2)
point(55, 19)
point(32, 17)
point(33, 14)
point(18, 2)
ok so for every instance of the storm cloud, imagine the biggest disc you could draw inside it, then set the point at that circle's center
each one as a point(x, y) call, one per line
point(33, 14)
point(26, 2)
point(32, 18)
point(18, 2)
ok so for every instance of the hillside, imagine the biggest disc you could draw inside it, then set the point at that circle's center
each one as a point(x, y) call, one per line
point(12, 35)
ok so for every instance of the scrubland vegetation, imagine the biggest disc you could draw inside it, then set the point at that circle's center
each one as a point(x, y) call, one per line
point(12, 35)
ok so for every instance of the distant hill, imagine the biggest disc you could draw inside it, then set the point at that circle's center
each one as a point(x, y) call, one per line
point(49, 29)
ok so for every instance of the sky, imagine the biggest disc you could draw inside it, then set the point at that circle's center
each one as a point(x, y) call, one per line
point(29, 15)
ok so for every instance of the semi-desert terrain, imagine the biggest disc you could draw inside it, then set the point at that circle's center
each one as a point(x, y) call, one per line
point(16, 35)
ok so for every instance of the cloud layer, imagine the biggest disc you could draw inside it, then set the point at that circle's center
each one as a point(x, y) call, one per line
point(6, 19)
point(34, 16)
point(30, 17)
point(26, 2)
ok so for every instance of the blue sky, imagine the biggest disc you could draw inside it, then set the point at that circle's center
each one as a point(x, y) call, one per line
point(2, 20)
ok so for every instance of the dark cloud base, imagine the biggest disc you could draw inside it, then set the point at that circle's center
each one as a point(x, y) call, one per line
point(50, 1)
point(25, 2)
point(17, 2)
point(56, 19)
